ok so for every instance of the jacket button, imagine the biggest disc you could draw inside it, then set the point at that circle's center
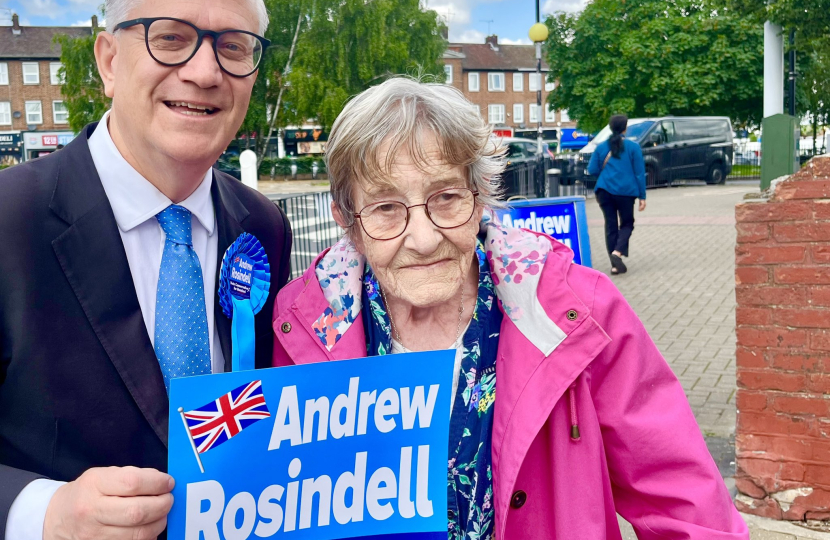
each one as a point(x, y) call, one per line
point(451, 515)
point(572, 315)
point(518, 499)
point(286, 327)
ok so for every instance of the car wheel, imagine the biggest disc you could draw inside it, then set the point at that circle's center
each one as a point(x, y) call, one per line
point(716, 174)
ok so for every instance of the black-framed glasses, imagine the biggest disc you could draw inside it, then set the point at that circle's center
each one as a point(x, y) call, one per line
point(447, 209)
point(173, 42)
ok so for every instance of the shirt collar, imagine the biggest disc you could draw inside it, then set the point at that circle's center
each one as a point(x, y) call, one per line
point(133, 198)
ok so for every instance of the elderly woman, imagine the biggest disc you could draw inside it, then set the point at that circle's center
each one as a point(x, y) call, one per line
point(589, 420)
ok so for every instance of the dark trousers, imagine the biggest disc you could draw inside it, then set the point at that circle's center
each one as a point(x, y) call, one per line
point(619, 220)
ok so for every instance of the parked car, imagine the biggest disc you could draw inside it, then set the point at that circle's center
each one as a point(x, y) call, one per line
point(520, 150)
point(225, 166)
point(675, 148)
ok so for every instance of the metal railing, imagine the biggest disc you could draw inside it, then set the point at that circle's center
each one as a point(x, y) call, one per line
point(746, 162)
point(526, 179)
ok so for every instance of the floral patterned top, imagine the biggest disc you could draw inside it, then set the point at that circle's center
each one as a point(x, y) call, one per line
point(470, 510)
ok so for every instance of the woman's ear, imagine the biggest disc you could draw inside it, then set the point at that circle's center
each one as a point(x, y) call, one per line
point(338, 217)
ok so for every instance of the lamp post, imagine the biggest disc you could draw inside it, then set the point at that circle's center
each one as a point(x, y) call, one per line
point(538, 34)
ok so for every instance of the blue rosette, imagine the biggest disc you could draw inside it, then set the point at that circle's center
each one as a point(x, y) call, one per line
point(244, 282)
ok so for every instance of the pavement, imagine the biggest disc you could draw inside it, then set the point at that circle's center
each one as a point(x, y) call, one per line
point(681, 283)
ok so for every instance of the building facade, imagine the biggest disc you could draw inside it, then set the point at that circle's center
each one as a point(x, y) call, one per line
point(502, 81)
point(33, 117)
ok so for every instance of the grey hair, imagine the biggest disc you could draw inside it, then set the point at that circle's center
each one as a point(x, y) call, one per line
point(117, 12)
point(401, 112)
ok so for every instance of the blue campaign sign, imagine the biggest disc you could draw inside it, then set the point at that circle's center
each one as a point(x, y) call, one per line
point(573, 139)
point(354, 448)
point(563, 218)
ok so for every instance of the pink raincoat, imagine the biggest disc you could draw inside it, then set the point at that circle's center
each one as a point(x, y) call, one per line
point(589, 422)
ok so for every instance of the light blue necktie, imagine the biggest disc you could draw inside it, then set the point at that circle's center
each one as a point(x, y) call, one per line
point(181, 334)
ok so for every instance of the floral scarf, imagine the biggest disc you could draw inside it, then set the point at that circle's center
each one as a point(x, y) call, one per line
point(470, 511)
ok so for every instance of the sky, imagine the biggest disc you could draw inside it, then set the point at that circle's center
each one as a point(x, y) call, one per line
point(469, 21)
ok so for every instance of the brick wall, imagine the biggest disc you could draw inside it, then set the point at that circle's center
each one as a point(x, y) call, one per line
point(783, 348)
point(18, 94)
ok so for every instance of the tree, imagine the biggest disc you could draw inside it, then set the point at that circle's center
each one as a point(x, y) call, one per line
point(653, 58)
point(809, 18)
point(349, 45)
point(82, 89)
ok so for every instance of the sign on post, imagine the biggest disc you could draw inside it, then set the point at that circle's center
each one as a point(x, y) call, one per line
point(248, 168)
point(346, 449)
point(562, 218)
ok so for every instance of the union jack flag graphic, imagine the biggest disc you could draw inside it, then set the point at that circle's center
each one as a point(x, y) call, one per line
point(226, 416)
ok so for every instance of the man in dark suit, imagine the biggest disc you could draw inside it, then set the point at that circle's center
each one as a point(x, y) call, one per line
point(111, 250)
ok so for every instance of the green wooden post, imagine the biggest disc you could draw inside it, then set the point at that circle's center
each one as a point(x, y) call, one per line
point(778, 147)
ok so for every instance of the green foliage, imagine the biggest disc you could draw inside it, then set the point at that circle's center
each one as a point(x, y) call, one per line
point(349, 45)
point(809, 18)
point(82, 90)
point(653, 58)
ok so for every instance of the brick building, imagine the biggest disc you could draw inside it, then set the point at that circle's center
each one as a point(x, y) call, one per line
point(33, 118)
point(501, 80)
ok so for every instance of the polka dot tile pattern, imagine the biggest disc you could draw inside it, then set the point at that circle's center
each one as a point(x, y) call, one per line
point(181, 334)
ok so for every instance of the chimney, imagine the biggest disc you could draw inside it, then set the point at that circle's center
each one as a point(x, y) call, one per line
point(492, 40)
point(94, 23)
point(15, 24)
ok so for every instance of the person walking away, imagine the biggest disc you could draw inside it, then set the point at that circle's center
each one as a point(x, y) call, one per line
point(622, 178)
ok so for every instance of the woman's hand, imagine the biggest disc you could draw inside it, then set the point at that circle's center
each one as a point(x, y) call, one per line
point(642, 204)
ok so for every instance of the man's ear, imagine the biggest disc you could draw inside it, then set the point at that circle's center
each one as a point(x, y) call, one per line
point(106, 50)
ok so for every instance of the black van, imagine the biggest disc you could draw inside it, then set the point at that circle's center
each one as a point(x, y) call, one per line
point(675, 148)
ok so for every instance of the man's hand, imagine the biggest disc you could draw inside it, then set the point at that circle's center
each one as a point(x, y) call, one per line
point(110, 503)
point(642, 204)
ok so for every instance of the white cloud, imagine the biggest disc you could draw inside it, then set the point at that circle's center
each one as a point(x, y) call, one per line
point(453, 12)
point(87, 22)
point(552, 6)
point(468, 35)
point(520, 41)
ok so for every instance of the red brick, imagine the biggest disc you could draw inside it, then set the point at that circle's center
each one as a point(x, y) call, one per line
point(750, 358)
point(749, 275)
point(751, 401)
point(767, 508)
point(801, 405)
point(771, 296)
point(801, 318)
point(793, 472)
point(771, 380)
point(817, 474)
point(748, 487)
point(817, 516)
point(820, 254)
point(821, 210)
point(802, 232)
point(799, 190)
point(757, 468)
point(819, 498)
point(766, 211)
point(771, 423)
point(791, 361)
point(748, 254)
point(752, 232)
point(820, 296)
point(818, 382)
point(771, 337)
point(774, 448)
point(753, 316)
point(806, 275)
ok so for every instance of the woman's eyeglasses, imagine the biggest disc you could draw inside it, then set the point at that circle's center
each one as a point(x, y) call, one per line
point(447, 209)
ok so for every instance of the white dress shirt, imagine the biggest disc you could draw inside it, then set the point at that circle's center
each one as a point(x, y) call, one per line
point(135, 203)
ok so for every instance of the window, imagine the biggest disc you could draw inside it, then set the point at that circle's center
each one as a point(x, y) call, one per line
point(563, 116)
point(550, 114)
point(518, 82)
point(59, 113)
point(31, 73)
point(472, 82)
point(5, 113)
point(495, 82)
point(54, 78)
point(518, 113)
point(448, 73)
point(533, 80)
point(495, 114)
point(549, 86)
point(534, 113)
point(4, 73)
point(34, 112)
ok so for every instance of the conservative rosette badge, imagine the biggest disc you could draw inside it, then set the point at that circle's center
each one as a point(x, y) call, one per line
point(244, 282)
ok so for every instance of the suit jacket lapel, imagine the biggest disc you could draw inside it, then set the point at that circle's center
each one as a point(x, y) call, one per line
point(93, 259)
point(230, 213)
